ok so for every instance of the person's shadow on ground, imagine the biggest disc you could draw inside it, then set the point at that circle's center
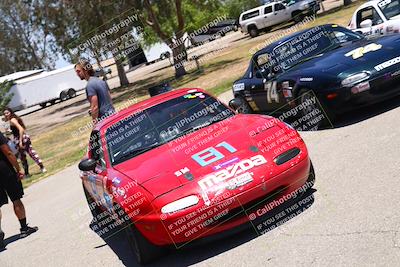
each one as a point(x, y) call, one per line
point(12, 239)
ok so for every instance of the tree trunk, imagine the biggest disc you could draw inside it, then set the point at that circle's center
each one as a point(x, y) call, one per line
point(179, 54)
point(121, 73)
point(346, 2)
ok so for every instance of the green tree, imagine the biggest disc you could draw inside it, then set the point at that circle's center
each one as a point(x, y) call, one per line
point(5, 96)
point(233, 8)
point(168, 21)
point(25, 43)
point(78, 27)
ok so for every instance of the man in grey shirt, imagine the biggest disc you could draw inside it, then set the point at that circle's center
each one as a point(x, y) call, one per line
point(97, 92)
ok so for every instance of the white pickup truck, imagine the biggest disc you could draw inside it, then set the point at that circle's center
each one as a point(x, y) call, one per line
point(264, 17)
point(377, 17)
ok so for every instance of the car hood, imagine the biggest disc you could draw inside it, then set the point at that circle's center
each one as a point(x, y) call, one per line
point(171, 166)
point(335, 62)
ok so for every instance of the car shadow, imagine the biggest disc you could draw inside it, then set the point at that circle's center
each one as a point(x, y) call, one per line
point(346, 119)
point(206, 248)
point(367, 112)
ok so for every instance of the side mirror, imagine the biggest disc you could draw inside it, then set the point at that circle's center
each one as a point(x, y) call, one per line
point(87, 165)
point(235, 104)
point(366, 23)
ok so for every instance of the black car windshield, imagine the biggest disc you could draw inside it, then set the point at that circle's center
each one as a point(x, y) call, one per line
point(160, 124)
point(306, 45)
point(390, 8)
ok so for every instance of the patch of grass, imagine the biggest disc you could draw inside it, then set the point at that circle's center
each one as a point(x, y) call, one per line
point(63, 146)
point(223, 87)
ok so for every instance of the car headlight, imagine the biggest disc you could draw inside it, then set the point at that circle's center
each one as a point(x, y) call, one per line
point(180, 204)
point(355, 78)
point(305, 6)
point(238, 87)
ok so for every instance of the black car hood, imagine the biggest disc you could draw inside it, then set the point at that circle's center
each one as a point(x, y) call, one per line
point(335, 62)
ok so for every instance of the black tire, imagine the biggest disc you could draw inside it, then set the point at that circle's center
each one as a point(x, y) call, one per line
point(305, 94)
point(253, 31)
point(52, 102)
point(72, 93)
point(244, 107)
point(93, 207)
point(297, 16)
point(311, 176)
point(63, 95)
point(143, 250)
point(43, 105)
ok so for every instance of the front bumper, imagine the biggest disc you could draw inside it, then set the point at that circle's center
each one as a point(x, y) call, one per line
point(380, 88)
point(228, 212)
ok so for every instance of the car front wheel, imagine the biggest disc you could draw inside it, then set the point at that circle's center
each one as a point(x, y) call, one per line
point(244, 107)
point(144, 251)
point(306, 99)
point(253, 31)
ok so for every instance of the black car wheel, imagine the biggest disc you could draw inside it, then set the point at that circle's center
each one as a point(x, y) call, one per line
point(297, 16)
point(244, 107)
point(63, 95)
point(71, 93)
point(93, 206)
point(311, 176)
point(253, 31)
point(305, 97)
point(144, 251)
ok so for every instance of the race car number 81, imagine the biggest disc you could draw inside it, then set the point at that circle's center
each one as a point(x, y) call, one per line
point(272, 93)
point(211, 154)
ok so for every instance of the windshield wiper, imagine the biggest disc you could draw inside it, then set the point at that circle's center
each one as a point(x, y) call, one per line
point(132, 153)
point(197, 127)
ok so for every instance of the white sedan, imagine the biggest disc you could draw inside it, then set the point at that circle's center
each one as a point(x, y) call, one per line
point(377, 17)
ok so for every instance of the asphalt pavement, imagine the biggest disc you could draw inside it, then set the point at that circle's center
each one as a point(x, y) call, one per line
point(353, 220)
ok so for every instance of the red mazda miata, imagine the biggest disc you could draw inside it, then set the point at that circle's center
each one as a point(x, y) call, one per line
point(182, 166)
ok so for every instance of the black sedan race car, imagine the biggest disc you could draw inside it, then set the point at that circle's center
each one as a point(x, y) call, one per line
point(326, 68)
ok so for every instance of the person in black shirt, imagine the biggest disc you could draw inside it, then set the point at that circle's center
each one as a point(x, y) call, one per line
point(11, 186)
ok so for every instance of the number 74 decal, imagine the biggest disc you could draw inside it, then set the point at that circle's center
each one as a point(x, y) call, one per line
point(272, 92)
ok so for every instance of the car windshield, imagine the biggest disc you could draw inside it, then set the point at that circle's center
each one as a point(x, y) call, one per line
point(306, 45)
point(160, 124)
point(390, 8)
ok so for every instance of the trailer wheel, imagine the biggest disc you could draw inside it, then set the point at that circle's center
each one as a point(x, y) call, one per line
point(72, 93)
point(52, 102)
point(63, 96)
point(43, 105)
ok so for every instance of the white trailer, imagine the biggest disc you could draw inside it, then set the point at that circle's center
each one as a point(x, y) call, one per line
point(45, 87)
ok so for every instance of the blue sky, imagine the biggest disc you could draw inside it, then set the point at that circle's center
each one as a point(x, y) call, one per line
point(61, 62)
